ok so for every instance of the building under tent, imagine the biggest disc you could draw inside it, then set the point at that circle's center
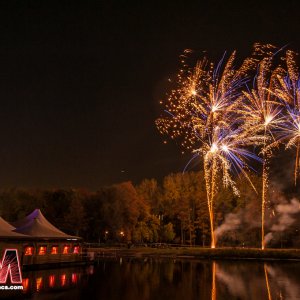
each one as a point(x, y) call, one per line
point(10, 239)
point(38, 241)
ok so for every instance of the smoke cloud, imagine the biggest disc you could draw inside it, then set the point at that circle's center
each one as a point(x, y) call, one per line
point(285, 218)
point(232, 221)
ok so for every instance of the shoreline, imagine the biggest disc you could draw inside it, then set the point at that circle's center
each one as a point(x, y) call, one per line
point(198, 253)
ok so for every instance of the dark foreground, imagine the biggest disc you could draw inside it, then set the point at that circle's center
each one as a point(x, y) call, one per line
point(166, 278)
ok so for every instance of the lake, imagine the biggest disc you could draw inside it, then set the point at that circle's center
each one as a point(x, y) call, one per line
point(166, 279)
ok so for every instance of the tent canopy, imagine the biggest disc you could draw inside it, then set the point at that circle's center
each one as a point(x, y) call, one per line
point(36, 225)
point(6, 230)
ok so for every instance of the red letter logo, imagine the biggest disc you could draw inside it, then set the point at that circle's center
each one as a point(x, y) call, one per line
point(10, 265)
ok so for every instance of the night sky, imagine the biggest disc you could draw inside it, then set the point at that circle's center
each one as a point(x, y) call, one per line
point(81, 82)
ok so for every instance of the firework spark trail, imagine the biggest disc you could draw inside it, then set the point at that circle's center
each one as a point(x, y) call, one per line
point(288, 91)
point(205, 112)
point(262, 114)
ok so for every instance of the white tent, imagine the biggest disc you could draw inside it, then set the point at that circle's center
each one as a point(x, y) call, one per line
point(36, 225)
point(6, 231)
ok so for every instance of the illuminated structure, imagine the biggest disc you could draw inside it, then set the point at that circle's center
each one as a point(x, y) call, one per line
point(38, 241)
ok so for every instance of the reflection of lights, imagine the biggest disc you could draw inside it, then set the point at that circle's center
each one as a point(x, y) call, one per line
point(213, 285)
point(90, 270)
point(74, 278)
point(25, 283)
point(28, 251)
point(54, 250)
point(63, 279)
point(267, 282)
point(51, 280)
point(66, 249)
point(39, 283)
point(76, 250)
point(42, 250)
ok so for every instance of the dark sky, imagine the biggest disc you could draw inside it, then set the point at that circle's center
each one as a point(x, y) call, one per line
point(80, 82)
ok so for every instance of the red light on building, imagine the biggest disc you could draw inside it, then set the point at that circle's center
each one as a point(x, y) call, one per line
point(63, 279)
point(76, 250)
point(51, 281)
point(54, 250)
point(28, 251)
point(66, 249)
point(42, 250)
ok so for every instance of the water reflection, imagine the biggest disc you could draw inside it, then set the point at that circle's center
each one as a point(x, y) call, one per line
point(213, 285)
point(267, 282)
point(44, 281)
point(167, 279)
point(284, 282)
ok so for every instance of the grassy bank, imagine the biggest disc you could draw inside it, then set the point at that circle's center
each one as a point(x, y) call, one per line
point(204, 253)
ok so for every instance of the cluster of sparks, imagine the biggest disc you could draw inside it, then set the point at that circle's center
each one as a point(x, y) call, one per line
point(219, 118)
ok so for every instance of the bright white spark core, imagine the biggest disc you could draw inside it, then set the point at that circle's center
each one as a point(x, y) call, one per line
point(214, 148)
point(225, 148)
point(268, 119)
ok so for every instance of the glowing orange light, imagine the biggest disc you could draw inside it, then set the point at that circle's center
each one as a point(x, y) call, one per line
point(54, 250)
point(51, 280)
point(39, 283)
point(63, 279)
point(25, 283)
point(42, 250)
point(267, 282)
point(66, 249)
point(76, 250)
point(28, 251)
point(213, 286)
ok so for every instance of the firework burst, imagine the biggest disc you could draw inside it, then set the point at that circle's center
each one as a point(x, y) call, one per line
point(205, 112)
point(262, 113)
point(288, 91)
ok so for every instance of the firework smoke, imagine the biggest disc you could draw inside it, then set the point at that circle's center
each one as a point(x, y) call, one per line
point(285, 219)
point(231, 222)
point(218, 118)
point(284, 283)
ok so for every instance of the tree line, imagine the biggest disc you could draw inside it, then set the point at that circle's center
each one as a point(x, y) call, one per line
point(174, 211)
